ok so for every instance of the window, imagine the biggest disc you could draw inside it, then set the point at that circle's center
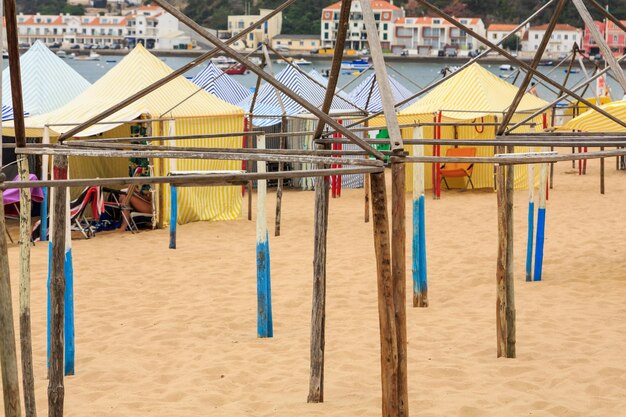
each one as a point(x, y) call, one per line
point(436, 21)
point(325, 35)
point(356, 25)
point(565, 37)
point(494, 36)
point(376, 16)
point(464, 21)
point(615, 38)
point(558, 36)
point(536, 36)
point(326, 26)
point(574, 37)
point(384, 36)
point(385, 26)
point(240, 24)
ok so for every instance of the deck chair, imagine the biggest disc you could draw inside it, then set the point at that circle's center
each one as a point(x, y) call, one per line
point(11, 198)
point(457, 169)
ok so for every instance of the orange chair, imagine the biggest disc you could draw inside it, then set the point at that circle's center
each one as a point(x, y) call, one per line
point(458, 169)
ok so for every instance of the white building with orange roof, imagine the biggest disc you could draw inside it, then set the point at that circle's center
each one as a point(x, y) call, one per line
point(497, 31)
point(561, 41)
point(427, 35)
point(385, 14)
point(264, 33)
point(149, 25)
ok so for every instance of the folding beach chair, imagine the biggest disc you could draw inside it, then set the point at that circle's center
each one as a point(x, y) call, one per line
point(458, 169)
point(11, 198)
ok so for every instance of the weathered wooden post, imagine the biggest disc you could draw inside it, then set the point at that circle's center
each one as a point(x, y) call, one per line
point(420, 280)
point(322, 197)
point(56, 389)
point(505, 302)
point(279, 185)
point(263, 272)
point(398, 403)
point(26, 347)
point(8, 354)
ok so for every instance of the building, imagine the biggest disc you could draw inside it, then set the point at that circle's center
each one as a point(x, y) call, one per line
point(155, 29)
point(385, 14)
point(266, 32)
point(561, 42)
point(614, 36)
point(428, 35)
point(149, 25)
point(498, 31)
point(296, 43)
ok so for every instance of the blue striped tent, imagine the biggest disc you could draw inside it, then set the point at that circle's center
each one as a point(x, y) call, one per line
point(268, 106)
point(222, 85)
point(47, 82)
point(368, 94)
point(7, 112)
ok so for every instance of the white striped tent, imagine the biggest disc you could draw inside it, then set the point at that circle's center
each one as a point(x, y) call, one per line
point(47, 82)
point(267, 110)
point(367, 94)
point(222, 85)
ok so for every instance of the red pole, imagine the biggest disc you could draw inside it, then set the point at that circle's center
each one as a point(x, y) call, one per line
point(438, 154)
point(244, 145)
point(339, 147)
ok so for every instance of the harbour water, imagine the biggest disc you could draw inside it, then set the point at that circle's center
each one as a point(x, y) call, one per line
point(413, 75)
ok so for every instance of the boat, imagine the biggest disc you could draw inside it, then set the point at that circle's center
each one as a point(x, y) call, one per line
point(301, 61)
point(255, 60)
point(236, 70)
point(60, 54)
point(506, 67)
point(71, 56)
point(5, 54)
point(356, 64)
point(284, 61)
point(546, 63)
point(223, 62)
point(91, 57)
point(572, 70)
point(111, 61)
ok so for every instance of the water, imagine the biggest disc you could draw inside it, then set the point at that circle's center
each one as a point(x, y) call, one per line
point(420, 73)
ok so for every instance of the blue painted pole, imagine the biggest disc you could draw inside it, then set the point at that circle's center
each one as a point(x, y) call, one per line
point(264, 289)
point(44, 215)
point(173, 215)
point(531, 222)
point(529, 245)
point(70, 346)
point(541, 222)
point(420, 281)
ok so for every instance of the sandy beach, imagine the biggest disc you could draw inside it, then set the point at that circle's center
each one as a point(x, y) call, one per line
point(163, 332)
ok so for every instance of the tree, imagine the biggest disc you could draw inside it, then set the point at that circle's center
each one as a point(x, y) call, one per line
point(512, 43)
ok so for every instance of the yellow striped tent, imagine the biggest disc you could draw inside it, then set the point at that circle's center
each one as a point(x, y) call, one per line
point(474, 95)
point(191, 112)
point(592, 121)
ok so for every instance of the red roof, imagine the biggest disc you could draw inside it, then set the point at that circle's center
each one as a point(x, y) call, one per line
point(501, 27)
point(376, 5)
point(559, 26)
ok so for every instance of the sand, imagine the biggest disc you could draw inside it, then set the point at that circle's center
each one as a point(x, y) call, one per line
point(173, 333)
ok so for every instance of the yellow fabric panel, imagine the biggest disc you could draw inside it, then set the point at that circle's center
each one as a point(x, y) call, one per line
point(592, 121)
point(473, 93)
point(204, 203)
point(136, 71)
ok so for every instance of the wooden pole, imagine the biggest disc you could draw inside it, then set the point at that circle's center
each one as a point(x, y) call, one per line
point(8, 354)
point(386, 303)
point(56, 390)
point(366, 186)
point(279, 186)
point(505, 302)
point(602, 173)
point(318, 313)
point(264, 290)
point(322, 196)
point(28, 379)
point(420, 281)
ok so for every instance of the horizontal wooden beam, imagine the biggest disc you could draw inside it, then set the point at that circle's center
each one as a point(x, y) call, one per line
point(237, 156)
point(199, 180)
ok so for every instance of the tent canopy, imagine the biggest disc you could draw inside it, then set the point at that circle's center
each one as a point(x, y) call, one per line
point(222, 85)
point(473, 93)
point(139, 69)
point(267, 103)
point(592, 121)
point(367, 94)
point(47, 82)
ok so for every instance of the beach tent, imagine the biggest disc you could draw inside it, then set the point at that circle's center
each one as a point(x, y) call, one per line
point(191, 112)
point(592, 121)
point(47, 82)
point(220, 84)
point(366, 95)
point(474, 95)
point(267, 110)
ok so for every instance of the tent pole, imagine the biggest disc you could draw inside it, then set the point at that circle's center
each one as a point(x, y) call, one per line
point(322, 197)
